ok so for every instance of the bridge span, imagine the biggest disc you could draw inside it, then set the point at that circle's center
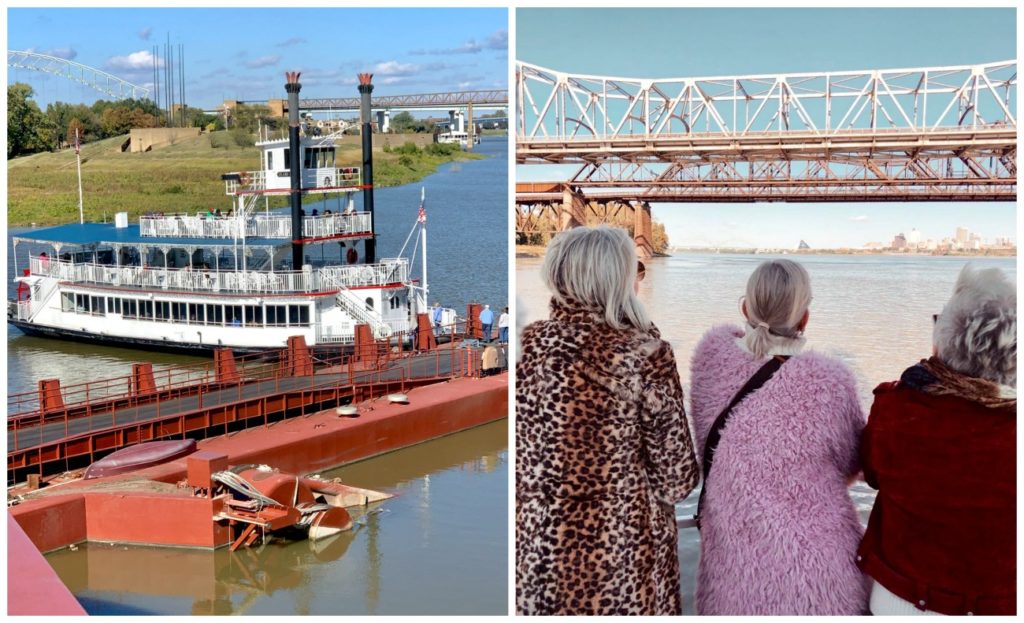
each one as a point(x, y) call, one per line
point(924, 134)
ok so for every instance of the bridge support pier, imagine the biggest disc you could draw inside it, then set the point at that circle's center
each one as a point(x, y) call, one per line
point(470, 128)
point(573, 212)
point(643, 233)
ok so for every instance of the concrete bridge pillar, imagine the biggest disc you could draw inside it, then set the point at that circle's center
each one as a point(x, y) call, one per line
point(643, 234)
point(470, 128)
point(573, 212)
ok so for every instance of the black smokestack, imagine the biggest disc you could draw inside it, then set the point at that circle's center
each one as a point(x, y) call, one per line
point(294, 164)
point(365, 88)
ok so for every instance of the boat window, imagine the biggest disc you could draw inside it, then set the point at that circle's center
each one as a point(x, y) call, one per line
point(163, 310)
point(270, 160)
point(304, 315)
point(131, 308)
point(293, 315)
point(234, 312)
point(114, 305)
point(369, 304)
point(67, 302)
point(287, 159)
point(306, 159)
point(146, 310)
point(195, 313)
point(178, 311)
point(253, 315)
point(99, 305)
point(214, 314)
point(81, 304)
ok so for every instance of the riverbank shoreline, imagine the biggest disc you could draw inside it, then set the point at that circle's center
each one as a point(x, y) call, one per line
point(536, 252)
point(43, 187)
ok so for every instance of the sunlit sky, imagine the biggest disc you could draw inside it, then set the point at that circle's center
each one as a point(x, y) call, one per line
point(660, 43)
point(242, 53)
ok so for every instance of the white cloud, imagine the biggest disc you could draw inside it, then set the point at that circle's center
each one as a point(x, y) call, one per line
point(395, 68)
point(263, 61)
point(498, 40)
point(145, 33)
point(64, 53)
point(133, 62)
point(292, 41)
point(860, 218)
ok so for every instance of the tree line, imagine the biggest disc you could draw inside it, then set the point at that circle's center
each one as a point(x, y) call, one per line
point(32, 130)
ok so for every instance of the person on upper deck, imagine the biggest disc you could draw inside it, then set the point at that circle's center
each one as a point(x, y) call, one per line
point(940, 447)
point(779, 531)
point(603, 449)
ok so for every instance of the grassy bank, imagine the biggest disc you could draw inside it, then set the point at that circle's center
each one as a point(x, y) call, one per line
point(43, 188)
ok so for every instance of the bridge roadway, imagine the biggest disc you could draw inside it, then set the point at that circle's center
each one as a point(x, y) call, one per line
point(38, 435)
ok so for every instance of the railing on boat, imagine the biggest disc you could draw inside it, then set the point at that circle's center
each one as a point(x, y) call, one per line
point(313, 180)
point(388, 271)
point(274, 226)
point(25, 410)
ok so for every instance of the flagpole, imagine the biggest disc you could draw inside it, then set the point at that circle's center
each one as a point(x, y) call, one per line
point(423, 234)
point(78, 156)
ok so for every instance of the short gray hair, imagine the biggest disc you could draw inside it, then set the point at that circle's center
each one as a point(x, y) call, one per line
point(596, 267)
point(976, 333)
point(778, 294)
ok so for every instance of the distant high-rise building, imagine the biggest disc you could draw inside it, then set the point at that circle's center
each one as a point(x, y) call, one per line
point(962, 235)
point(900, 241)
point(931, 245)
point(914, 238)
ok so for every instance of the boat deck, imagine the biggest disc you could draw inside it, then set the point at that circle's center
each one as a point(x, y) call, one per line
point(53, 438)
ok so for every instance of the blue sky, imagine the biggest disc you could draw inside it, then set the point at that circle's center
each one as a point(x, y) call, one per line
point(242, 53)
point(662, 43)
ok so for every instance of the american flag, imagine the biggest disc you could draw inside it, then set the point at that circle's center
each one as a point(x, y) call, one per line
point(422, 218)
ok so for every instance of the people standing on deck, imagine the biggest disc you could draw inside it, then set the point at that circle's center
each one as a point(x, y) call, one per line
point(436, 316)
point(503, 327)
point(603, 449)
point(778, 530)
point(940, 447)
point(486, 322)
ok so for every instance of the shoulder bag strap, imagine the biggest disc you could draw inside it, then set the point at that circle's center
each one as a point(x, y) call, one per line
point(715, 434)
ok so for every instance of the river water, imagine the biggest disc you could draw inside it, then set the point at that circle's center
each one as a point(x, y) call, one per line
point(873, 312)
point(439, 547)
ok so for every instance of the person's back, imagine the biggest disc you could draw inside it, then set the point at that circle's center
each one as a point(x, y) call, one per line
point(602, 445)
point(778, 529)
point(940, 447)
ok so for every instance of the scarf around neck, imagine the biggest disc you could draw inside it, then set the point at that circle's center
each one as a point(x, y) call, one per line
point(934, 377)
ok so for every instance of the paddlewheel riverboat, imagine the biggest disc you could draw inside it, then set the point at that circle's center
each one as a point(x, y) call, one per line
point(211, 280)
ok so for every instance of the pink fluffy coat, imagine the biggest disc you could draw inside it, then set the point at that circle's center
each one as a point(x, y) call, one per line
point(779, 532)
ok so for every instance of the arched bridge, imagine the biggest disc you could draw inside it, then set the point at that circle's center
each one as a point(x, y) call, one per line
point(99, 80)
point(926, 134)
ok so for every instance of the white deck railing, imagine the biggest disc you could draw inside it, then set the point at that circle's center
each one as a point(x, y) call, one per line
point(320, 179)
point(275, 226)
point(253, 282)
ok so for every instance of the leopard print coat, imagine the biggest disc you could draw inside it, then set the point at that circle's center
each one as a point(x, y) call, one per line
point(603, 451)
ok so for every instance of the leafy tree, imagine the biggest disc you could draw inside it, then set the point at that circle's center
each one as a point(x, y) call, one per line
point(74, 125)
point(403, 122)
point(23, 121)
point(249, 117)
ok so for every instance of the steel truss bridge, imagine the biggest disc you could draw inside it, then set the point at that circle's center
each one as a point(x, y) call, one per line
point(426, 101)
point(926, 134)
point(76, 72)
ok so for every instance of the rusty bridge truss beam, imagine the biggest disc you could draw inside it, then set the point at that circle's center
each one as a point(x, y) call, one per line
point(497, 97)
point(941, 133)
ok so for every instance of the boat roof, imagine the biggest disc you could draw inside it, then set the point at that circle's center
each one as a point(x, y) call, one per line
point(106, 233)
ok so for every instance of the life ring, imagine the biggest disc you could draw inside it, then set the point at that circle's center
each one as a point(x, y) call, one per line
point(352, 256)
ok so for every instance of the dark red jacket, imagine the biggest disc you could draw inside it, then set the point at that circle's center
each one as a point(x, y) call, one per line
point(942, 532)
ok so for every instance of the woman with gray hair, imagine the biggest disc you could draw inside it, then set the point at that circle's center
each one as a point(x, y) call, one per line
point(777, 428)
point(940, 447)
point(603, 449)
